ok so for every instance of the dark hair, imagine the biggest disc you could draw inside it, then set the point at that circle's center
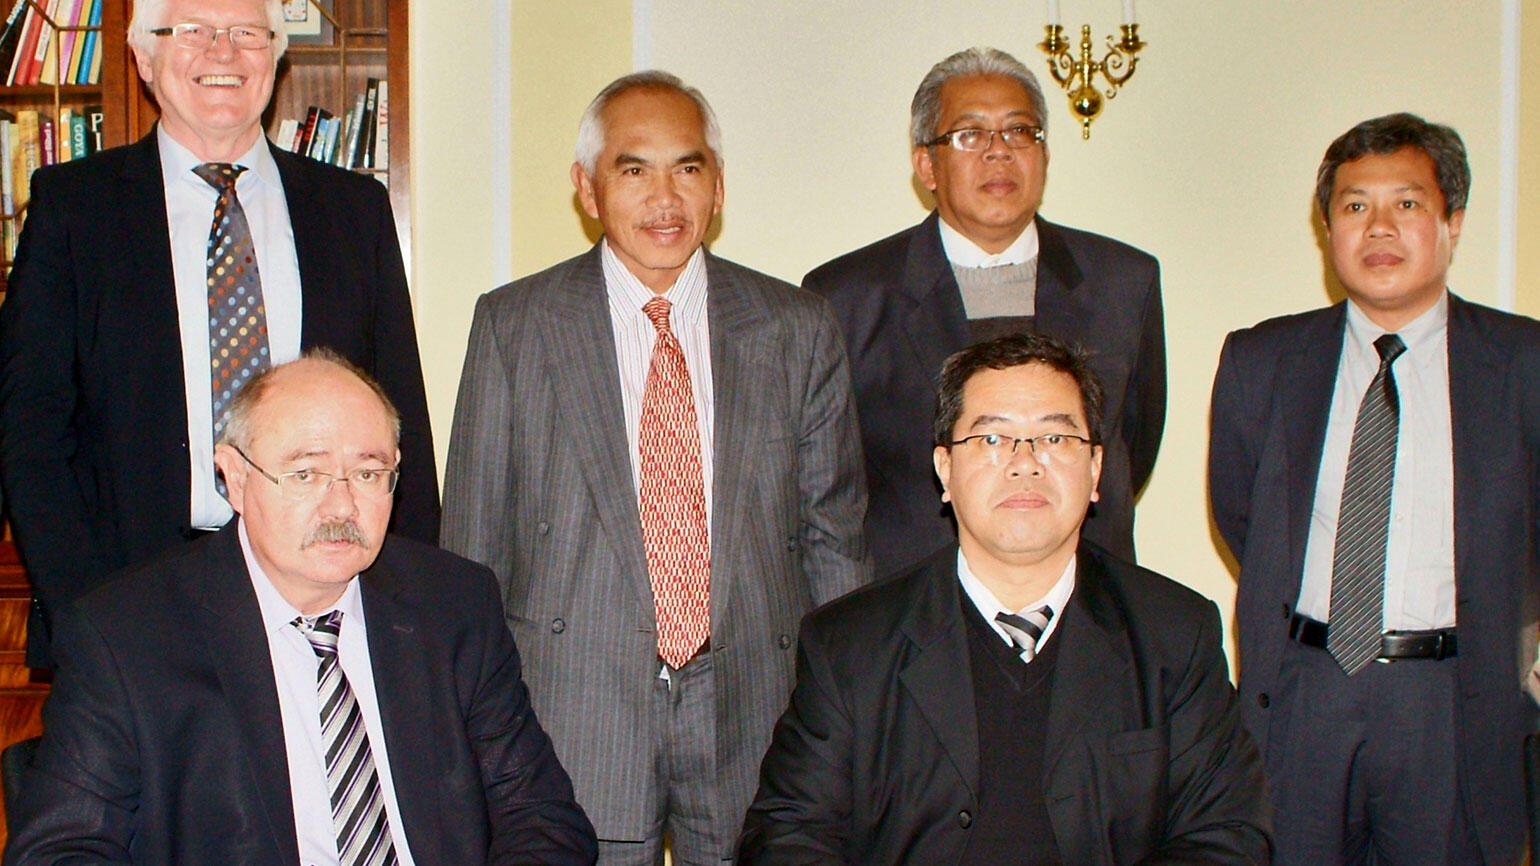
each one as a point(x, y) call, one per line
point(1389, 134)
point(1010, 351)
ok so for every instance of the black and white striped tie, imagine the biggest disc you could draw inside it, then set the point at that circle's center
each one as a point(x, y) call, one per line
point(1363, 521)
point(1026, 629)
point(358, 804)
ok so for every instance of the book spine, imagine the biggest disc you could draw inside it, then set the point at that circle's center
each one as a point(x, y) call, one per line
point(64, 142)
point(94, 133)
point(355, 123)
point(382, 128)
point(48, 145)
point(307, 131)
point(78, 149)
point(24, 50)
point(10, 40)
point(366, 132)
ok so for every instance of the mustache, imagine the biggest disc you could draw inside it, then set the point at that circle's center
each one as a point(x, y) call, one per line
point(663, 218)
point(345, 530)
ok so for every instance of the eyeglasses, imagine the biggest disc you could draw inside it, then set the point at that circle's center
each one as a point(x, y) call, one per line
point(973, 140)
point(307, 485)
point(998, 448)
point(201, 37)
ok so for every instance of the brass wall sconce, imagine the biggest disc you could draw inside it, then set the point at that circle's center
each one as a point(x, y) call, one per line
point(1077, 76)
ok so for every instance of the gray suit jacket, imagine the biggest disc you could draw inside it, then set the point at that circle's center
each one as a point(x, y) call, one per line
point(539, 487)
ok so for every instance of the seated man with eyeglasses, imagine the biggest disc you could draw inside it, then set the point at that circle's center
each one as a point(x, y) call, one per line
point(153, 279)
point(299, 687)
point(1021, 697)
point(983, 264)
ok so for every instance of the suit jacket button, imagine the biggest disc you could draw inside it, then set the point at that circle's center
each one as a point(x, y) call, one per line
point(785, 641)
point(558, 625)
point(1263, 700)
point(965, 819)
point(542, 527)
point(791, 544)
point(1286, 612)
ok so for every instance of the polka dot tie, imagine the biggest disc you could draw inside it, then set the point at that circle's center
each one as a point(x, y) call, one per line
point(673, 499)
point(237, 316)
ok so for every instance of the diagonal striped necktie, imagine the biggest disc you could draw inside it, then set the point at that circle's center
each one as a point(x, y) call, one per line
point(1026, 629)
point(1353, 635)
point(358, 804)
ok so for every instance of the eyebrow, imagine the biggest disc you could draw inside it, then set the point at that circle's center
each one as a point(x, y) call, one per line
point(322, 453)
point(691, 158)
point(1405, 187)
point(1057, 417)
point(977, 117)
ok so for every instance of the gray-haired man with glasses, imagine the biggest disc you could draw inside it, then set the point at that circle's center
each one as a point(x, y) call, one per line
point(1020, 697)
point(300, 687)
point(984, 263)
point(152, 280)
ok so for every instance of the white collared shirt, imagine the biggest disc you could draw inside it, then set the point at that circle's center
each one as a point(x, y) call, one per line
point(964, 253)
point(1419, 562)
point(989, 605)
point(294, 673)
point(634, 339)
point(190, 204)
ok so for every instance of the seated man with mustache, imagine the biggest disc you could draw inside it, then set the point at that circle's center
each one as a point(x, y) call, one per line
point(299, 687)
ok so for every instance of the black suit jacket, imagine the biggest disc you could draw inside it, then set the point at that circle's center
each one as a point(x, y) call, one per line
point(876, 760)
point(902, 314)
point(163, 741)
point(93, 414)
point(1272, 396)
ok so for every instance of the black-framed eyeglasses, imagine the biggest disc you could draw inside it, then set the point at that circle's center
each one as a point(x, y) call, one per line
point(307, 485)
point(974, 140)
point(201, 37)
point(999, 448)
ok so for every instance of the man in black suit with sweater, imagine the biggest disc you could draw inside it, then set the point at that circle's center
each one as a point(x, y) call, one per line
point(984, 264)
point(1022, 697)
point(1373, 465)
point(108, 344)
point(299, 687)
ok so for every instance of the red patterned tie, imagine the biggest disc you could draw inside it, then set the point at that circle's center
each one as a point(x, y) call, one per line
point(673, 499)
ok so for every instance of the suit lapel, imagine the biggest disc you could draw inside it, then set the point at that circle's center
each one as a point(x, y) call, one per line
point(313, 247)
point(740, 340)
point(233, 636)
point(1302, 397)
point(1477, 376)
point(405, 696)
point(939, 676)
point(1057, 307)
point(1093, 664)
point(580, 349)
point(936, 323)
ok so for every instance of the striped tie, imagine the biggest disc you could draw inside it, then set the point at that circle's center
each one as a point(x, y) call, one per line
point(1026, 630)
point(358, 806)
point(1363, 521)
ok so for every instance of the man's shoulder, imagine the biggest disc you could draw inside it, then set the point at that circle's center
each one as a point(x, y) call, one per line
point(1270, 337)
point(879, 262)
point(1091, 247)
point(879, 609)
point(327, 184)
point(1145, 593)
point(1519, 331)
point(84, 177)
point(430, 570)
point(526, 290)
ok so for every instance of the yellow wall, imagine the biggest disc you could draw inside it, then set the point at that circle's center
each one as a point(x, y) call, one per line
point(1528, 289)
point(1207, 159)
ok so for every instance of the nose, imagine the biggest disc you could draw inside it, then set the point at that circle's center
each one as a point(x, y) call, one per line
point(997, 148)
point(223, 46)
point(1024, 459)
point(339, 499)
point(1381, 222)
point(665, 192)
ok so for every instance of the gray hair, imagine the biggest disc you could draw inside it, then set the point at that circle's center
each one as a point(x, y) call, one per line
point(590, 138)
point(151, 14)
point(237, 430)
point(925, 110)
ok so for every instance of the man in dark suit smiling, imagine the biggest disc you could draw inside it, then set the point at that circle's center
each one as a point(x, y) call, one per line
point(1022, 697)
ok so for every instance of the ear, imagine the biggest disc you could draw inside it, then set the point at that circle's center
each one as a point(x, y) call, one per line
point(924, 167)
point(1096, 473)
point(1456, 220)
point(585, 191)
point(236, 471)
point(146, 70)
point(716, 206)
point(942, 457)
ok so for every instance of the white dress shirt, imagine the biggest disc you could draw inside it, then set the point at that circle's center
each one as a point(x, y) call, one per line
point(964, 253)
point(294, 672)
point(989, 605)
point(190, 204)
point(634, 339)
point(1419, 562)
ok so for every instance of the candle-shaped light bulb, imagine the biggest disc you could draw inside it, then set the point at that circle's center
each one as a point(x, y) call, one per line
point(1053, 12)
point(1128, 12)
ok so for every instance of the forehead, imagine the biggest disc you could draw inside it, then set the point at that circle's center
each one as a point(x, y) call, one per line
point(985, 96)
point(219, 11)
point(1021, 393)
point(311, 408)
point(652, 116)
point(1407, 168)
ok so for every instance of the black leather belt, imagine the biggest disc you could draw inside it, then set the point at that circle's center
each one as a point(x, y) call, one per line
point(1437, 644)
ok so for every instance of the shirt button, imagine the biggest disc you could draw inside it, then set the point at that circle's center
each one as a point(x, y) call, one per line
point(1264, 701)
point(785, 641)
point(543, 528)
point(558, 625)
point(965, 819)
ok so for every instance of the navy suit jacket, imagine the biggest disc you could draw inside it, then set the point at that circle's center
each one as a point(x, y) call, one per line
point(93, 410)
point(1272, 396)
point(877, 758)
point(163, 741)
point(902, 315)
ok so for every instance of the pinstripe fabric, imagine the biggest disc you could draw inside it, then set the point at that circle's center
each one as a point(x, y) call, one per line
point(1358, 561)
point(1026, 630)
point(358, 807)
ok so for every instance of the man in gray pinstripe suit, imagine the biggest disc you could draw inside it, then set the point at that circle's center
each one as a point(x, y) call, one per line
point(548, 482)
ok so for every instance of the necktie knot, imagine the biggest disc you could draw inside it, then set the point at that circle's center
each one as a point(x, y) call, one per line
point(657, 310)
point(219, 175)
point(322, 632)
point(1026, 629)
point(1390, 347)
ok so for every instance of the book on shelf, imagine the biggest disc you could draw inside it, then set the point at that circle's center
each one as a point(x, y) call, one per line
point(95, 140)
point(45, 34)
point(382, 128)
point(60, 44)
point(10, 39)
point(64, 140)
point(359, 139)
point(7, 187)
